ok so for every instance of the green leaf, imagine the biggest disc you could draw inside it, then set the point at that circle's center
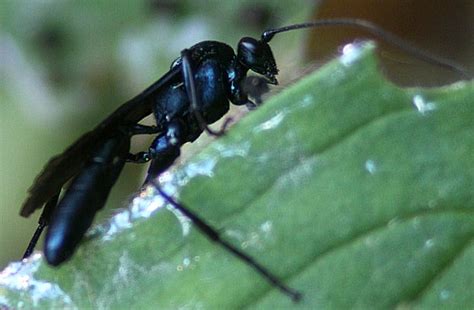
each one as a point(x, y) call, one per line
point(353, 191)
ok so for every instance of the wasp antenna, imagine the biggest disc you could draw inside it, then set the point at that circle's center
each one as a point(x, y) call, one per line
point(378, 31)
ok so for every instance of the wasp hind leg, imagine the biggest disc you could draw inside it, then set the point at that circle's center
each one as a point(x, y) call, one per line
point(214, 236)
point(43, 221)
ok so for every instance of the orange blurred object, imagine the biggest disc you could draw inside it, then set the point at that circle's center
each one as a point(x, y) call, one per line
point(443, 28)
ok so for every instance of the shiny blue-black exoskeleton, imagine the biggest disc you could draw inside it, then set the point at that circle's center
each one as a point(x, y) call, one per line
point(195, 92)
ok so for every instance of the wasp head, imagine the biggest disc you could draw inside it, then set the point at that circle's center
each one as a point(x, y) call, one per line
point(257, 56)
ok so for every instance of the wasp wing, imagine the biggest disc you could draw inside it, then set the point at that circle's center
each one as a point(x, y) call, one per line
point(64, 166)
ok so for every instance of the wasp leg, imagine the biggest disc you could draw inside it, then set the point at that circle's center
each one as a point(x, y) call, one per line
point(193, 98)
point(139, 158)
point(165, 149)
point(214, 235)
point(139, 129)
point(255, 87)
point(42, 223)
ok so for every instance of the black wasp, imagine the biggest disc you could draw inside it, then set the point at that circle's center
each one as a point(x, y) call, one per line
point(195, 92)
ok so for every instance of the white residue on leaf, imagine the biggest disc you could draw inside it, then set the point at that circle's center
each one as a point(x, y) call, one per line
point(422, 105)
point(394, 222)
point(416, 221)
point(370, 241)
point(253, 240)
point(271, 123)
point(19, 276)
point(183, 220)
point(351, 53)
point(117, 223)
point(266, 227)
point(307, 100)
point(429, 243)
point(444, 294)
point(4, 302)
point(235, 150)
point(187, 263)
point(299, 174)
point(171, 190)
point(202, 167)
point(150, 201)
point(142, 206)
point(370, 166)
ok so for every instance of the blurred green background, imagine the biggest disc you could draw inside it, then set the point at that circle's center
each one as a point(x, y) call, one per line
point(65, 65)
